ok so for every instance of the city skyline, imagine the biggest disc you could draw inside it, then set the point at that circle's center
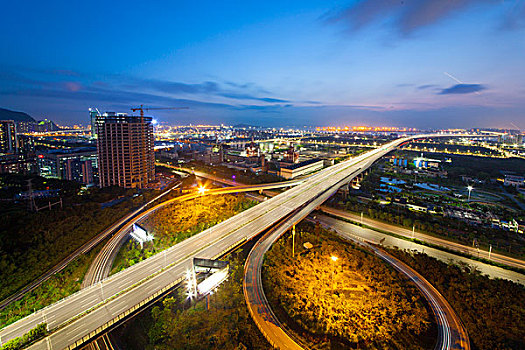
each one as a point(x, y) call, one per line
point(397, 63)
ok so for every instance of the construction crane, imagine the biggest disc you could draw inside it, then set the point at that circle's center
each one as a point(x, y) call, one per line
point(142, 109)
point(142, 141)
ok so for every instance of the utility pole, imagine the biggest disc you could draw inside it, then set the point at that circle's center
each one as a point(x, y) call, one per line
point(413, 230)
point(361, 218)
point(31, 202)
point(293, 241)
point(490, 250)
point(334, 259)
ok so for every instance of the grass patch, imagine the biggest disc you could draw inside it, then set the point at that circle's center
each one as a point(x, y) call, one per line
point(356, 301)
point(178, 221)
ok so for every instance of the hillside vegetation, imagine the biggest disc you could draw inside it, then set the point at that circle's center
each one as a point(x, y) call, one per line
point(33, 242)
point(492, 310)
point(227, 325)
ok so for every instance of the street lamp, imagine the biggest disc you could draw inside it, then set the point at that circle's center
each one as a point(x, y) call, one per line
point(469, 188)
point(202, 189)
point(334, 258)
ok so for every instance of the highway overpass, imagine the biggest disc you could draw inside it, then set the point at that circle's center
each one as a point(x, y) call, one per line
point(81, 316)
point(451, 333)
point(101, 266)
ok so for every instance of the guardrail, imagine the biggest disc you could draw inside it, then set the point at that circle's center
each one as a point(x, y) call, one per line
point(124, 314)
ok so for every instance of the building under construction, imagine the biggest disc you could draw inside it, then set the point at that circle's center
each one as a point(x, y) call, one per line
point(125, 150)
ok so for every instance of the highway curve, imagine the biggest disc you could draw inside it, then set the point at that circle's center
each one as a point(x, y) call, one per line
point(101, 265)
point(86, 247)
point(451, 333)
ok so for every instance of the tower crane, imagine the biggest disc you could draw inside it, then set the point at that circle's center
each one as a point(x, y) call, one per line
point(142, 109)
point(142, 138)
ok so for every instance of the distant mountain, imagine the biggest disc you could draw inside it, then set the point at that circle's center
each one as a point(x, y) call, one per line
point(6, 114)
point(46, 125)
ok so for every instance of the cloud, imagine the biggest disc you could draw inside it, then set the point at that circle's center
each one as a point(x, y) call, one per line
point(515, 16)
point(172, 87)
point(462, 89)
point(73, 86)
point(240, 92)
point(407, 15)
point(243, 96)
point(426, 86)
point(57, 82)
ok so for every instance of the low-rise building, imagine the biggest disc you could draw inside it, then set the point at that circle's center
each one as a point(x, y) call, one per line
point(77, 164)
point(17, 164)
point(514, 180)
point(293, 170)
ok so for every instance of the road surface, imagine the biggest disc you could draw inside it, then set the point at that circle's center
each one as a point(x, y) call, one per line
point(125, 290)
point(100, 268)
point(375, 237)
point(86, 247)
point(499, 258)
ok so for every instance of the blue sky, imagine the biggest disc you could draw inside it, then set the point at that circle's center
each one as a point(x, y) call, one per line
point(420, 63)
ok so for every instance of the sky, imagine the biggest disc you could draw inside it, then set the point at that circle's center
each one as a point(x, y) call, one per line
point(415, 63)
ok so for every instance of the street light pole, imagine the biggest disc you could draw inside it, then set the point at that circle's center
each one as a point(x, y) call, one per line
point(469, 188)
point(293, 241)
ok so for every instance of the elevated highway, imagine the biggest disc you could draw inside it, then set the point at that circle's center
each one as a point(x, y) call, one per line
point(451, 333)
point(81, 316)
point(86, 247)
point(101, 266)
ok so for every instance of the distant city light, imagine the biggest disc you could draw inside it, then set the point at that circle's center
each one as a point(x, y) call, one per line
point(334, 258)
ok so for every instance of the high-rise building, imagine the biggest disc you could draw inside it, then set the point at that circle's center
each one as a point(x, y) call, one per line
point(8, 139)
point(93, 114)
point(125, 150)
